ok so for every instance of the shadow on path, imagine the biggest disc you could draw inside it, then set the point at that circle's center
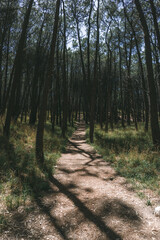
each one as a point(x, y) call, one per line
point(52, 219)
point(80, 150)
point(86, 212)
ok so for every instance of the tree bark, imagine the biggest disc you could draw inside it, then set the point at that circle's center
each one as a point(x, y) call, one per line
point(88, 62)
point(150, 76)
point(65, 89)
point(34, 95)
point(146, 102)
point(153, 9)
point(121, 82)
point(94, 84)
point(47, 85)
point(17, 71)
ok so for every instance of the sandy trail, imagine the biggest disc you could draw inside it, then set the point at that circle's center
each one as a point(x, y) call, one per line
point(95, 203)
point(89, 201)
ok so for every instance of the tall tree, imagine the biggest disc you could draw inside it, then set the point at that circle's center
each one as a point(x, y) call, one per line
point(150, 76)
point(146, 103)
point(88, 62)
point(154, 13)
point(47, 85)
point(65, 95)
point(34, 93)
point(94, 83)
point(17, 70)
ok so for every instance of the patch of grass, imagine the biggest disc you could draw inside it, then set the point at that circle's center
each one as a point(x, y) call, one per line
point(148, 203)
point(141, 195)
point(20, 175)
point(131, 153)
point(3, 222)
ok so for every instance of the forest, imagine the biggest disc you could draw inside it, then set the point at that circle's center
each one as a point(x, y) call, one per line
point(72, 73)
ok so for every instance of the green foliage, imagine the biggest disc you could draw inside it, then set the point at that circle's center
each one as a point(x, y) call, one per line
point(131, 153)
point(149, 203)
point(3, 222)
point(20, 176)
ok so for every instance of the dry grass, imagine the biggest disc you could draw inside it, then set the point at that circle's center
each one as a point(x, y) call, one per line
point(20, 174)
point(132, 154)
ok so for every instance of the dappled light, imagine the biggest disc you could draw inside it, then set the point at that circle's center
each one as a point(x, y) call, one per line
point(79, 120)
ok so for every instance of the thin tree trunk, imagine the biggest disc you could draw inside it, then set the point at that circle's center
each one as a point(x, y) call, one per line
point(94, 84)
point(47, 85)
point(146, 102)
point(88, 62)
point(2, 39)
point(33, 113)
point(121, 82)
point(6, 75)
point(153, 9)
point(65, 89)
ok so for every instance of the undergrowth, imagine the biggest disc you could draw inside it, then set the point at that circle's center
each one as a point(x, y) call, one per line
point(132, 154)
point(20, 175)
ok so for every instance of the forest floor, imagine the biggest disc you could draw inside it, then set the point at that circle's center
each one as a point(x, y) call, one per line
point(86, 200)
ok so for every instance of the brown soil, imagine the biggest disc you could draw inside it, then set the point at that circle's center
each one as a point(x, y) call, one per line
point(87, 200)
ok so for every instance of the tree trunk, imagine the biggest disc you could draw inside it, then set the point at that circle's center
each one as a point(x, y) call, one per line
point(146, 102)
point(94, 84)
point(121, 82)
point(34, 95)
point(153, 9)
point(6, 75)
point(150, 76)
point(17, 71)
point(65, 89)
point(88, 63)
point(47, 85)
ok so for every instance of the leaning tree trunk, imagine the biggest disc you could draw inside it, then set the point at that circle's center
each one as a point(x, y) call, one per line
point(47, 85)
point(150, 75)
point(17, 71)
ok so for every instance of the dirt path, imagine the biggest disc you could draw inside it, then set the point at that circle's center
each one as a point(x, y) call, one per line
point(88, 201)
